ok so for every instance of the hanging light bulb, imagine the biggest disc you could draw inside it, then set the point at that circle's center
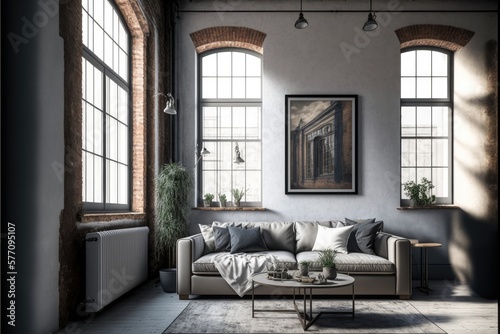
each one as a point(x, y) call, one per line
point(301, 22)
point(170, 107)
point(238, 159)
point(370, 24)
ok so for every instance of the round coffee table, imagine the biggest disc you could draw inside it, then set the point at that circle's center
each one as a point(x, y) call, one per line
point(306, 318)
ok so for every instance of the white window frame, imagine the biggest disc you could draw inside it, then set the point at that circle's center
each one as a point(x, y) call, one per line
point(202, 142)
point(430, 102)
point(105, 204)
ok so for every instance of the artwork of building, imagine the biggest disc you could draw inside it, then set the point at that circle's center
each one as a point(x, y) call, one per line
point(321, 150)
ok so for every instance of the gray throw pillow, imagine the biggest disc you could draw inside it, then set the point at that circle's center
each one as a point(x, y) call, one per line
point(278, 236)
point(246, 240)
point(222, 239)
point(363, 235)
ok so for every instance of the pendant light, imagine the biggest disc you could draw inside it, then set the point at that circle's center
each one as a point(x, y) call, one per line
point(301, 22)
point(370, 24)
point(238, 159)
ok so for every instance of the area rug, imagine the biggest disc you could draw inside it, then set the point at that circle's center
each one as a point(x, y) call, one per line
point(235, 316)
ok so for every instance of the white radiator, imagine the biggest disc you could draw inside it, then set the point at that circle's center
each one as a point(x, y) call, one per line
point(116, 262)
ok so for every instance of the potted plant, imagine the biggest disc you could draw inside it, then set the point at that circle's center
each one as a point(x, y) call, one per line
point(304, 268)
point(327, 259)
point(207, 199)
point(172, 188)
point(420, 193)
point(222, 200)
point(237, 196)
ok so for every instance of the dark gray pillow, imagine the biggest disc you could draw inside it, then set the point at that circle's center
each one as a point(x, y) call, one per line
point(278, 236)
point(222, 239)
point(363, 235)
point(246, 240)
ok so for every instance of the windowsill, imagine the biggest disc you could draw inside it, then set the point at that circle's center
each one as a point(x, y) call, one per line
point(429, 207)
point(109, 217)
point(230, 208)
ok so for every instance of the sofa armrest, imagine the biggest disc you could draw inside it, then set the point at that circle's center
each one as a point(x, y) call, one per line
point(189, 249)
point(397, 250)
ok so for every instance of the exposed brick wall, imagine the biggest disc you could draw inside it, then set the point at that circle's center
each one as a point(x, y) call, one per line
point(446, 37)
point(72, 226)
point(220, 37)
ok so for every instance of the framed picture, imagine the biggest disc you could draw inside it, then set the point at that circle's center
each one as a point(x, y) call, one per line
point(321, 144)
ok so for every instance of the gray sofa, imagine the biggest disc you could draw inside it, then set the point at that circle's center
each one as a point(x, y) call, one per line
point(386, 272)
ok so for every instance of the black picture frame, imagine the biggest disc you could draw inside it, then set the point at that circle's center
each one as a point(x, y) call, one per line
point(321, 144)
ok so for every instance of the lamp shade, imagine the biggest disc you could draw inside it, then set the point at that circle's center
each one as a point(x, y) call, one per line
point(370, 24)
point(204, 151)
point(238, 160)
point(169, 108)
point(301, 22)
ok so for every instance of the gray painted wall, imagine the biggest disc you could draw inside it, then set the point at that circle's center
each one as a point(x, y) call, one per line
point(311, 61)
point(32, 144)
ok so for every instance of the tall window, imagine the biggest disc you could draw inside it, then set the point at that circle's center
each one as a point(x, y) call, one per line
point(105, 108)
point(231, 101)
point(426, 119)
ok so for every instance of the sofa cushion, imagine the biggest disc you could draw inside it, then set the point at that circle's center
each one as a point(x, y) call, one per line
point(225, 224)
point(205, 264)
point(352, 263)
point(363, 235)
point(277, 235)
point(222, 239)
point(208, 236)
point(332, 238)
point(306, 231)
point(246, 240)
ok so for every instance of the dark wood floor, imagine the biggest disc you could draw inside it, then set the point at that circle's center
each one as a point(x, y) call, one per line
point(148, 309)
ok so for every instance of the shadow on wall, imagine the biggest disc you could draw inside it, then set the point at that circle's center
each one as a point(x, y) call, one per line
point(473, 251)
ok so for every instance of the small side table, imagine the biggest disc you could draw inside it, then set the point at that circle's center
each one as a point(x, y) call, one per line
point(424, 264)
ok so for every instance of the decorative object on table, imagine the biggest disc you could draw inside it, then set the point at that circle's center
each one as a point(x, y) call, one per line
point(304, 268)
point(222, 200)
point(207, 200)
point(277, 271)
point(237, 196)
point(321, 278)
point(173, 187)
point(327, 259)
point(420, 194)
point(270, 270)
point(308, 280)
point(321, 144)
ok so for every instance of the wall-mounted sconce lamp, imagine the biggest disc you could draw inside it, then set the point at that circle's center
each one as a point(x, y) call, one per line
point(170, 106)
point(238, 159)
point(200, 154)
point(370, 24)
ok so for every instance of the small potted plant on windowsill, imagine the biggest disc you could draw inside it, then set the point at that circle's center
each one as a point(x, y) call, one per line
point(207, 200)
point(420, 193)
point(237, 196)
point(222, 200)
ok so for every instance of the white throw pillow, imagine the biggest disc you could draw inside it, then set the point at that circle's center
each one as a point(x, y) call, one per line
point(333, 238)
point(208, 236)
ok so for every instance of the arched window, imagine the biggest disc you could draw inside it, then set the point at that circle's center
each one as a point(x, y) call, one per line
point(105, 108)
point(230, 123)
point(426, 119)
